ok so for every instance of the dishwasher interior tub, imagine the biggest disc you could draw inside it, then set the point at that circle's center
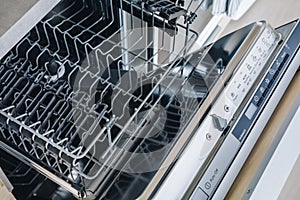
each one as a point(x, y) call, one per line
point(95, 95)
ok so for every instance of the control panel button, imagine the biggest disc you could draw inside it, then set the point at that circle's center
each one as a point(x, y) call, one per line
point(260, 102)
point(280, 66)
point(256, 98)
point(286, 57)
point(271, 83)
point(251, 111)
point(276, 75)
point(198, 194)
point(266, 92)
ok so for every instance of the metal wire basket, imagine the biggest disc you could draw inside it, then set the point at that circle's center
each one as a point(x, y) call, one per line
point(97, 93)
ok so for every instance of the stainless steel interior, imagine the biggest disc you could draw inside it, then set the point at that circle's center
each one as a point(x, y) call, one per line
point(97, 93)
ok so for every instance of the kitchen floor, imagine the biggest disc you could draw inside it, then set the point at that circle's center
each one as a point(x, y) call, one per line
point(11, 11)
point(276, 12)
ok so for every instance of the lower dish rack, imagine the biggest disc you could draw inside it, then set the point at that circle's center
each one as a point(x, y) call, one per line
point(95, 96)
point(28, 183)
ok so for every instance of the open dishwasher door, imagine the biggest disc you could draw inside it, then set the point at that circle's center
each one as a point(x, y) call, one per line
point(102, 99)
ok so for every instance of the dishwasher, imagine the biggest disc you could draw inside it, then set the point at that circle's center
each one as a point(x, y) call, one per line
point(100, 116)
point(103, 99)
